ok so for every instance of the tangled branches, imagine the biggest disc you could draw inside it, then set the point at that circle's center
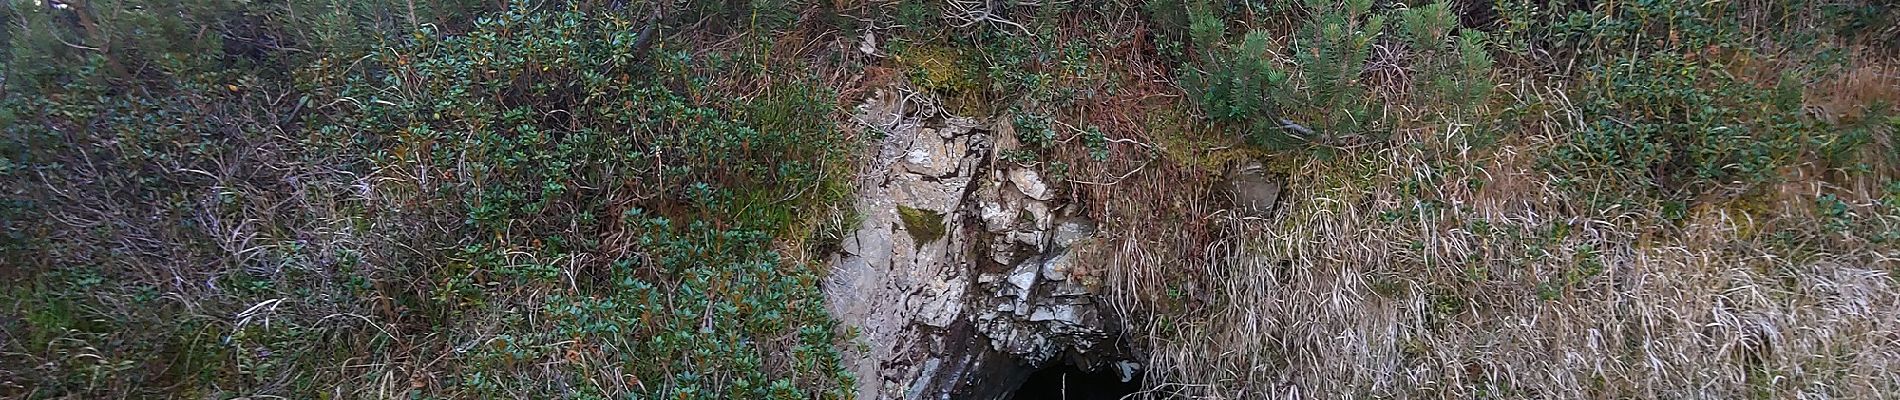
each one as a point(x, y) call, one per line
point(971, 12)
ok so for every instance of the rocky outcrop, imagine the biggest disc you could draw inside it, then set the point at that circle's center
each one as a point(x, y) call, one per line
point(959, 279)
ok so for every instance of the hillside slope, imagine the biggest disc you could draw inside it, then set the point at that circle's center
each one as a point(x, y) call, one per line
point(695, 199)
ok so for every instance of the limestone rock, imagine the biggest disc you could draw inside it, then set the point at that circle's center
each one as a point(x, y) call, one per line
point(1056, 268)
point(1027, 181)
point(932, 323)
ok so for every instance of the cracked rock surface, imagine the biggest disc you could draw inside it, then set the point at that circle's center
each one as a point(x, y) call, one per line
point(959, 279)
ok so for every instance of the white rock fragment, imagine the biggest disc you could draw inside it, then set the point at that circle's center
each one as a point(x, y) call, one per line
point(1023, 278)
point(1060, 312)
point(1057, 268)
point(1030, 184)
point(1040, 215)
point(1072, 230)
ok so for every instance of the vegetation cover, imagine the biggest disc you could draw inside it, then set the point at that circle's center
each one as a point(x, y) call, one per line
point(226, 199)
point(630, 199)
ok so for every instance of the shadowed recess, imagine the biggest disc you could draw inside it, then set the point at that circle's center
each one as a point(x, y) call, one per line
point(1067, 382)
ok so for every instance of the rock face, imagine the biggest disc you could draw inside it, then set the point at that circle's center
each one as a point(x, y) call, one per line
point(958, 280)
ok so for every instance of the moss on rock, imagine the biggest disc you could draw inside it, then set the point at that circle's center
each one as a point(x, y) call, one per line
point(923, 225)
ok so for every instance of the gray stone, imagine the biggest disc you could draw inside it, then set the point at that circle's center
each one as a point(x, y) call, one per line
point(1027, 181)
point(935, 155)
point(1071, 230)
point(1071, 288)
point(1255, 191)
point(998, 210)
point(1023, 278)
point(1127, 369)
point(940, 311)
point(1028, 239)
point(1053, 313)
point(1040, 216)
point(1056, 268)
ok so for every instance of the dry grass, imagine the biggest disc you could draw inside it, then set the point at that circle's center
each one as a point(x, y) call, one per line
point(1388, 273)
point(1297, 310)
point(1495, 292)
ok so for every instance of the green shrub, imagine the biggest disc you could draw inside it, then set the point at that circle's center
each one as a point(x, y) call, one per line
point(1311, 90)
point(547, 141)
point(714, 322)
point(228, 199)
point(1452, 72)
point(1663, 111)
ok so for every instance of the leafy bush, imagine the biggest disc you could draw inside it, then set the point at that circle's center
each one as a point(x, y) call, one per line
point(712, 313)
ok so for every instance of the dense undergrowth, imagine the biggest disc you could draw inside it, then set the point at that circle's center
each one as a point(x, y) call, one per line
point(489, 201)
point(623, 199)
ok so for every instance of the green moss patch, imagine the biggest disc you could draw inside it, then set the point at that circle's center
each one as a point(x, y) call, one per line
point(924, 225)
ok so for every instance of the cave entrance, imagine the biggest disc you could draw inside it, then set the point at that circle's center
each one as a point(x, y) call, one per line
point(1063, 381)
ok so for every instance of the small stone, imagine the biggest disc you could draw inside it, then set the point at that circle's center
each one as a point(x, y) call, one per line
point(868, 45)
point(944, 305)
point(1057, 268)
point(1254, 189)
point(954, 126)
point(1071, 287)
point(1060, 313)
point(917, 157)
point(1127, 368)
point(1003, 252)
point(997, 216)
point(929, 369)
point(1040, 215)
point(930, 154)
point(1023, 277)
point(1030, 184)
point(1071, 230)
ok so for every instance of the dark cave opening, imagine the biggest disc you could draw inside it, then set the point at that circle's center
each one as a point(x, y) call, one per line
point(1063, 381)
